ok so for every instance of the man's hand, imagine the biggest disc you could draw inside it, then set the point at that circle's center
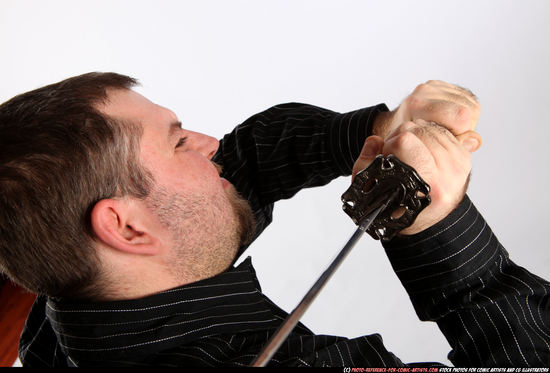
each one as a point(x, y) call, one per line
point(453, 107)
point(441, 159)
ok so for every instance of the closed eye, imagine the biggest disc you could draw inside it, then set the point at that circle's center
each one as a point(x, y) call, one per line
point(181, 142)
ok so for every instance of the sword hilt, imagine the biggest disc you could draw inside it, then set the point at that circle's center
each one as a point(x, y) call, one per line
point(375, 195)
point(372, 186)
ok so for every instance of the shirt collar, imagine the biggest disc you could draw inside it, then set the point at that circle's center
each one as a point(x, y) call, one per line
point(227, 303)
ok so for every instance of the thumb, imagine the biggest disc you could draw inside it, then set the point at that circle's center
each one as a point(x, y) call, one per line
point(470, 140)
point(371, 148)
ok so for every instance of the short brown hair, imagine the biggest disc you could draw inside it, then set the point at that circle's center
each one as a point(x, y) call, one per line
point(59, 155)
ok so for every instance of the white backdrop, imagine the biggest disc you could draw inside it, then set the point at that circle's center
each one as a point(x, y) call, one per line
point(217, 62)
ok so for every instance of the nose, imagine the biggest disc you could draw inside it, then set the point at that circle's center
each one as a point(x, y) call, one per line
point(204, 144)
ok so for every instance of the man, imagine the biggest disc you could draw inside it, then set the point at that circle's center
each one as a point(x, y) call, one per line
point(120, 219)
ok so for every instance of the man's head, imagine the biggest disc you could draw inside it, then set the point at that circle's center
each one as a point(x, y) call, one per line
point(192, 223)
point(89, 185)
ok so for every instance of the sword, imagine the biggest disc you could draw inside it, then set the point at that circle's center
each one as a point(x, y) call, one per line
point(383, 199)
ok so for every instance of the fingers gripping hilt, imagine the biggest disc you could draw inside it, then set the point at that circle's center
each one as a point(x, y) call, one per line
point(373, 186)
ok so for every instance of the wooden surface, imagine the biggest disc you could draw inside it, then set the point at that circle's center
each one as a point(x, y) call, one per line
point(15, 304)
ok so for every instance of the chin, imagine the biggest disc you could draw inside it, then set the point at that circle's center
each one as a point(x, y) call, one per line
point(246, 224)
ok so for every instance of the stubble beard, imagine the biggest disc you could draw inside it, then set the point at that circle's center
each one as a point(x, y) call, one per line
point(206, 232)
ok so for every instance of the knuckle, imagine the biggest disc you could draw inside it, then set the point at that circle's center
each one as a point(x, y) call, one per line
point(463, 114)
point(402, 128)
point(415, 103)
point(423, 87)
point(404, 139)
point(407, 126)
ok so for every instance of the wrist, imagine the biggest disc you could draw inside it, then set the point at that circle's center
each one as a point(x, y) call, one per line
point(381, 123)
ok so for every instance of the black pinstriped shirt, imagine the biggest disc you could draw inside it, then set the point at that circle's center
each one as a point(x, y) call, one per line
point(492, 312)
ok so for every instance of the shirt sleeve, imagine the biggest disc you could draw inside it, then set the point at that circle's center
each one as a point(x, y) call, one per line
point(289, 147)
point(492, 311)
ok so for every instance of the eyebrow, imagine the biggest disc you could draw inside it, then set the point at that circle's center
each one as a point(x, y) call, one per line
point(174, 128)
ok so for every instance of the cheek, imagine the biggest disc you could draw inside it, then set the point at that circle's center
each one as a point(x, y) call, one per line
point(191, 172)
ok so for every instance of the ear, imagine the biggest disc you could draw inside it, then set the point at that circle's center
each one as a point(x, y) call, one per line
point(122, 225)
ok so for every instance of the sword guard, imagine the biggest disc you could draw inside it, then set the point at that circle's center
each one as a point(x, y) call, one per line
point(371, 188)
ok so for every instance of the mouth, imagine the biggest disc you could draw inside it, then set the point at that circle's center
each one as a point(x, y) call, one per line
point(217, 167)
point(225, 184)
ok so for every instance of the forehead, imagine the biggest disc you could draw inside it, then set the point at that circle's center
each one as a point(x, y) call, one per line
point(127, 104)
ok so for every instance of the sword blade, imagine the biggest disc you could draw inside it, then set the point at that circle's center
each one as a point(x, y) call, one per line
point(294, 317)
